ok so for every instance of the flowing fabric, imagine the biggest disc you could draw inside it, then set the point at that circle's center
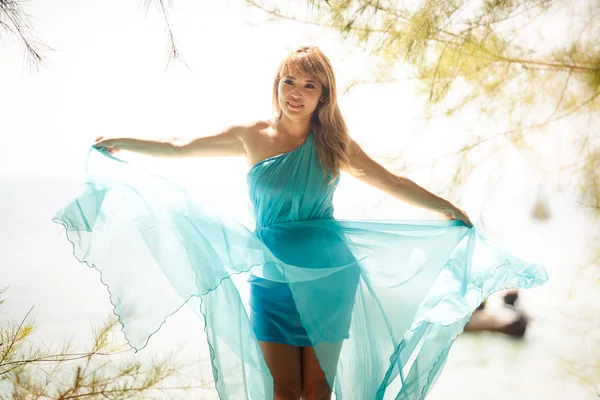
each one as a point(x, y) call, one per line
point(388, 297)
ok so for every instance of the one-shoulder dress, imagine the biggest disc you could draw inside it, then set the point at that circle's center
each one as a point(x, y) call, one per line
point(390, 297)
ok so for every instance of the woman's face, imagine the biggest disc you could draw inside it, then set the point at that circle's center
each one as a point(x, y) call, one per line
point(298, 95)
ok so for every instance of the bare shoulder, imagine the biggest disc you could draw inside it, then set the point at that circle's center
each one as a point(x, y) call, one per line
point(243, 133)
point(255, 135)
point(260, 141)
point(251, 131)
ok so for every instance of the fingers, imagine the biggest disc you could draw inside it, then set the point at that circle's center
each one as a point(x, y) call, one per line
point(466, 219)
point(462, 216)
point(97, 142)
point(106, 144)
point(457, 214)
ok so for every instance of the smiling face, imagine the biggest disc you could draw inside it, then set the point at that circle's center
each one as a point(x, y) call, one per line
point(304, 91)
point(298, 95)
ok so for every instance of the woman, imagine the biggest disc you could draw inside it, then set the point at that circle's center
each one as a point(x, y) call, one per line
point(367, 309)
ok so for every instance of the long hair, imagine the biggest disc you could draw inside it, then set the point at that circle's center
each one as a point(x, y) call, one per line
point(327, 124)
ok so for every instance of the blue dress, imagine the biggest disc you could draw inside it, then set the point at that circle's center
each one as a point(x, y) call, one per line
point(389, 296)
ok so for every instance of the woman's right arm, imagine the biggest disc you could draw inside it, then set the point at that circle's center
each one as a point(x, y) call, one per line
point(226, 143)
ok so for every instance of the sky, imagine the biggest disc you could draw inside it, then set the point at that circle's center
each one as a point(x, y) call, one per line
point(107, 76)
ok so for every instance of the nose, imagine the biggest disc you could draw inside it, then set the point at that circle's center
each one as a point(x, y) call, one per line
point(294, 94)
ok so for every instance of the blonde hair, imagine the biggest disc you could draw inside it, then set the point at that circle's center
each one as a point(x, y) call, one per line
point(327, 124)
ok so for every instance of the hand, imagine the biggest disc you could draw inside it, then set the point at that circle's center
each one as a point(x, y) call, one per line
point(109, 144)
point(457, 214)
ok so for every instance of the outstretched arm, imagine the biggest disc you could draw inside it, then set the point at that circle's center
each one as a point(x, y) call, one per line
point(226, 143)
point(371, 172)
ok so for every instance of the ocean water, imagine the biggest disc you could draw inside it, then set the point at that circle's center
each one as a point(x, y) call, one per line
point(37, 266)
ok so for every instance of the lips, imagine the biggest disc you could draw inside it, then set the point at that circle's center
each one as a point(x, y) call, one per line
point(295, 105)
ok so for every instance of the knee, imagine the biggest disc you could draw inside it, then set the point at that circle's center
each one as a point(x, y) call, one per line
point(320, 392)
point(287, 391)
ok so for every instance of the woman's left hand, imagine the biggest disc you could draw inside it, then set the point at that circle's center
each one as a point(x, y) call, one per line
point(457, 214)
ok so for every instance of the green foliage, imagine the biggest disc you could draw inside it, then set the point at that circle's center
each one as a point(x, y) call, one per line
point(489, 55)
point(495, 56)
point(16, 23)
point(105, 370)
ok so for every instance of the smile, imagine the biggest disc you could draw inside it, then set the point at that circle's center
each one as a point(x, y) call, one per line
point(294, 105)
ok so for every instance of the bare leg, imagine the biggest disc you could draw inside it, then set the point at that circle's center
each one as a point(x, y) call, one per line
point(284, 362)
point(314, 382)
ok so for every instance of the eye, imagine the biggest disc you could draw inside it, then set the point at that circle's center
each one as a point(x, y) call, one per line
point(288, 82)
point(310, 86)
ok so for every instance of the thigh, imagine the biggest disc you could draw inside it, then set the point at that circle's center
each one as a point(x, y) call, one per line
point(273, 313)
point(285, 364)
point(318, 374)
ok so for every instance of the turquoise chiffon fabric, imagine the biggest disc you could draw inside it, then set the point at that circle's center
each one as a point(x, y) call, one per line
point(388, 297)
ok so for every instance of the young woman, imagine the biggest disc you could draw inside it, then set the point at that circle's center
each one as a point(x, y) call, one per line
point(367, 309)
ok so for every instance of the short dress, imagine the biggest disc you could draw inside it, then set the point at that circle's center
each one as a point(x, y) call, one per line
point(381, 302)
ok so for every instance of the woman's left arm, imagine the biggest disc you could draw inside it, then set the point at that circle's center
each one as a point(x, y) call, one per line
point(371, 172)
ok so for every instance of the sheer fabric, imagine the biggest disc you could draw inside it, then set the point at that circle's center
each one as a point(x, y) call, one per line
point(393, 294)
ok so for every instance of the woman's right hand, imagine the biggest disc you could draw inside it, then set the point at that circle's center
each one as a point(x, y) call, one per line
point(111, 145)
point(226, 143)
